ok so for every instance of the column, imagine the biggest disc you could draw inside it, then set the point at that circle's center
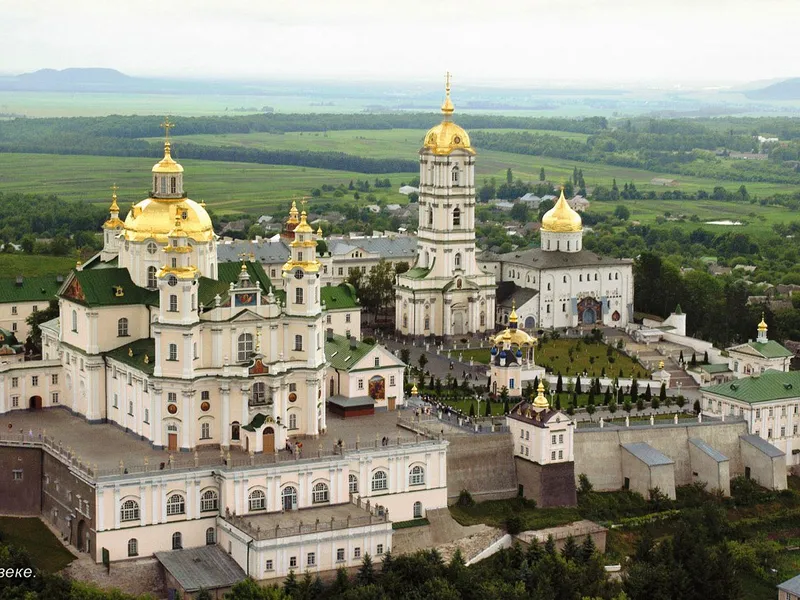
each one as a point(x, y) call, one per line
point(191, 498)
point(92, 347)
point(157, 426)
point(156, 500)
point(245, 400)
point(427, 471)
point(272, 355)
point(188, 356)
point(158, 357)
point(216, 347)
point(311, 407)
point(142, 505)
point(442, 469)
point(225, 426)
point(101, 523)
point(334, 487)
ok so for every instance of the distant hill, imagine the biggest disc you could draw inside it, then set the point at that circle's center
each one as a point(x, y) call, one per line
point(788, 89)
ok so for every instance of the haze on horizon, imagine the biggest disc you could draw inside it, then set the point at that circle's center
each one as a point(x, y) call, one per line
point(515, 42)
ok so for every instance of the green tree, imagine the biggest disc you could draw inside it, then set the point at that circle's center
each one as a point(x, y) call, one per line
point(662, 393)
point(509, 176)
point(488, 411)
point(366, 573)
point(422, 361)
point(35, 319)
point(627, 406)
point(622, 212)
point(570, 550)
point(559, 384)
point(541, 174)
point(578, 387)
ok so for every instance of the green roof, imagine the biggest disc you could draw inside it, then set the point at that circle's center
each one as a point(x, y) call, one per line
point(140, 348)
point(417, 273)
point(98, 287)
point(30, 290)
point(341, 356)
point(229, 273)
point(770, 385)
point(258, 420)
point(209, 288)
point(770, 349)
point(719, 368)
point(339, 296)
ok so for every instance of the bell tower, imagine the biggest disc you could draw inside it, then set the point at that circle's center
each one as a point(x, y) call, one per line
point(301, 272)
point(112, 228)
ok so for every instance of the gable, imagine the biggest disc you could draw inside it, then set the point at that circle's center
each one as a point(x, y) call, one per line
point(387, 359)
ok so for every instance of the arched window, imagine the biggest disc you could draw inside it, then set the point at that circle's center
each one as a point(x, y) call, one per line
point(173, 303)
point(122, 327)
point(352, 482)
point(595, 276)
point(567, 244)
point(211, 536)
point(245, 347)
point(430, 216)
point(129, 511)
point(75, 320)
point(320, 493)
point(205, 431)
point(289, 498)
point(151, 277)
point(427, 322)
point(298, 342)
point(454, 175)
point(259, 393)
point(176, 505)
point(483, 319)
point(298, 296)
point(293, 421)
point(173, 352)
point(235, 431)
point(133, 547)
point(380, 481)
point(580, 277)
point(565, 279)
point(405, 321)
point(416, 476)
point(456, 217)
point(177, 540)
point(549, 287)
point(458, 260)
point(257, 500)
point(209, 501)
point(616, 275)
point(417, 510)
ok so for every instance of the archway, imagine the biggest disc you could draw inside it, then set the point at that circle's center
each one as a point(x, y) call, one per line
point(82, 535)
point(269, 440)
point(36, 403)
point(530, 323)
point(289, 498)
point(589, 311)
point(589, 317)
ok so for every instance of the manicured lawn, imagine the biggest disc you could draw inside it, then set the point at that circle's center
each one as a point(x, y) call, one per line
point(479, 355)
point(495, 513)
point(45, 550)
point(586, 356)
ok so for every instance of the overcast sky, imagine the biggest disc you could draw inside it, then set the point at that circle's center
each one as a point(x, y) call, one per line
point(513, 41)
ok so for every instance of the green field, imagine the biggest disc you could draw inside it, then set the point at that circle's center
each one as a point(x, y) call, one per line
point(12, 265)
point(225, 187)
point(31, 534)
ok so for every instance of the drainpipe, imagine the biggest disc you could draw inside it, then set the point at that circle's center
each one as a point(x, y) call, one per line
point(248, 556)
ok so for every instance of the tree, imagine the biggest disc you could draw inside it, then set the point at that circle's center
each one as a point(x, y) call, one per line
point(422, 361)
point(405, 355)
point(203, 594)
point(247, 589)
point(35, 319)
point(590, 409)
point(559, 384)
point(622, 212)
point(472, 410)
point(696, 406)
point(648, 395)
point(578, 385)
point(366, 573)
point(662, 393)
point(693, 362)
point(570, 549)
point(607, 397)
point(680, 401)
point(588, 549)
point(509, 176)
point(612, 407)
point(640, 404)
point(627, 407)
point(541, 174)
point(290, 584)
point(584, 485)
point(488, 411)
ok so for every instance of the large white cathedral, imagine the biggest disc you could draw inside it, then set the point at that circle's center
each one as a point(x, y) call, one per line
point(445, 293)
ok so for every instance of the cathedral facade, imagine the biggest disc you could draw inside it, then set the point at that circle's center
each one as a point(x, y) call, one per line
point(445, 293)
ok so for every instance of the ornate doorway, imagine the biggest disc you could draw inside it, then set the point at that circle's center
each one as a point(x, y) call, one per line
point(590, 311)
point(269, 440)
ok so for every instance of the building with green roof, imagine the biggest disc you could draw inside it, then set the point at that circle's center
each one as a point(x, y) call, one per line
point(759, 356)
point(20, 296)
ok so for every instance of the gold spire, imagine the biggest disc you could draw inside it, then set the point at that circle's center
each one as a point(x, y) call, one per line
point(414, 390)
point(293, 213)
point(319, 231)
point(114, 221)
point(561, 218)
point(513, 317)
point(114, 206)
point(447, 106)
point(303, 226)
point(763, 325)
point(661, 365)
point(167, 164)
point(540, 403)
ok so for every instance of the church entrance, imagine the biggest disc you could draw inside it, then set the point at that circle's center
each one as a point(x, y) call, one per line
point(589, 316)
point(172, 442)
point(459, 322)
point(590, 311)
point(530, 323)
point(269, 440)
point(36, 403)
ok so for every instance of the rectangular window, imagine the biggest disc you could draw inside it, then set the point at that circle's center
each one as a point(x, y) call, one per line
point(391, 380)
point(312, 559)
point(292, 387)
point(560, 438)
point(17, 474)
point(14, 382)
point(54, 379)
point(379, 551)
point(14, 401)
point(783, 411)
point(758, 413)
point(560, 454)
point(339, 554)
point(205, 395)
point(553, 455)
point(268, 565)
point(377, 362)
point(55, 398)
point(34, 380)
point(292, 562)
point(116, 401)
point(527, 435)
point(361, 384)
point(553, 439)
point(347, 318)
point(783, 431)
point(769, 434)
point(172, 396)
point(328, 319)
point(341, 271)
point(770, 411)
point(356, 552)
point(794, 430)
point(521, 434)
point(511, 383)
point(273, 274)
point(13, 310)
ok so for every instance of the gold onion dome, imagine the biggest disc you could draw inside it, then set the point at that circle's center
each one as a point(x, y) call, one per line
point(540, 402)
point(167, 164)
point(114, 221)
point(303, 226)
point(445, 137)
point(153, 219)
point(763, 325)
point(293, 213)
point(561, 218)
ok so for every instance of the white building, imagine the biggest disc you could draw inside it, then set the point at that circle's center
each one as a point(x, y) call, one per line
point(560, 284)
point(758, 356)
point(445, 293)
point(512, 359)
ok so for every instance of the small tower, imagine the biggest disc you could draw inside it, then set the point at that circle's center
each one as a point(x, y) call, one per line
point(562, 228)
point(112, 229)
point(177, 279)
point(301, 271)
point(762, 338)
point(291, 223)
point(512, 358)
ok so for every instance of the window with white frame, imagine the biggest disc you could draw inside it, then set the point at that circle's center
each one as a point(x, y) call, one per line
point(209, 501)
point(14, 401)
point(211, 536)
point(416, 476)
point(320, 493)
point(298, 342)
point(205, 431)
point(340, 555)
point(347, 317)
point(417, 510)
point(122, 327)
point(14, 382)
point(74, 321)
point(257, 500)
point(245, 347)
point(379, 549)
point(176, 505)
point(298, 296)
point(380, 481)
point(173, 303)
point(172, 396)
point(352, 482)
point(130, 408)
point(173, 352)
point(357, 552)
point(391, 381)
point(129, 511)
point(312, 559)
point(54, 397)
point(177, 541)
point(377, 361)
point(133, 547)
point(17, 474)
point(147, 415)
point(292, 562)
point(268, 565)
point(151, 277)
point(361, 384)
point(54, 379)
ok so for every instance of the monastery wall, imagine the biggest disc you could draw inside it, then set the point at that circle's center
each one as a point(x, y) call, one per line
point(482, 464)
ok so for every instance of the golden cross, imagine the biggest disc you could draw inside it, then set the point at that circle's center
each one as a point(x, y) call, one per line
point(304, 201)
point(243, 256)
point(447, 81)
point(114, 189)
point(167, 126)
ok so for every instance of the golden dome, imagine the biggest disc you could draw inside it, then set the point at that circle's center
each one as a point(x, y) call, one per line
point(167, 164)
point(445, 137)
point(114, 221)
point(763, 325)
point(514, 337)
point(303, 226)
point(414, 390)
point(561, 218)
point(151, 219)
point(513, 317)
point(540, 402)
point(293, 213)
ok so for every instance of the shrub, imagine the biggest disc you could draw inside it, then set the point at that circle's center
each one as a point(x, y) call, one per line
point(513, 524)
point(584, 485)
point(465, 499)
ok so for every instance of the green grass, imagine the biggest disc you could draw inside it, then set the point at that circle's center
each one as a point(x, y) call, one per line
point(554, 354)
point(225, 187)
point(12, 265)
point(479, 355)
point(495, 513)
point(45, 550)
